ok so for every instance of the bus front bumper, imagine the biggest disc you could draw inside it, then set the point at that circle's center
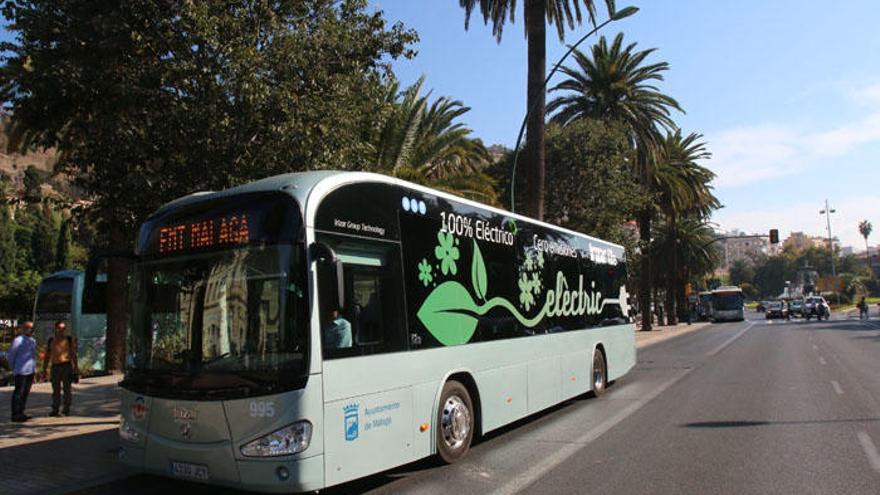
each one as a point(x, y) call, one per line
point(265, 475)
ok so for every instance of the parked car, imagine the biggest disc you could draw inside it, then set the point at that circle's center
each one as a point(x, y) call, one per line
point(816, 307)
point(776, 309)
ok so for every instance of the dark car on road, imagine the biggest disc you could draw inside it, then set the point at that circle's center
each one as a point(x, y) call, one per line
point(776, 309)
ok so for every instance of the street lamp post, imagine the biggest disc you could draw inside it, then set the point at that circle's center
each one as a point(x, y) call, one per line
point(827, 212)
point(620, 14)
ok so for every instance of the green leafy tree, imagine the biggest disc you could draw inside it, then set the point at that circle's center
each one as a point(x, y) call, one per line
point(560, 13)
point(865, 229)
point(32, 181)
point(62, 246)
point(593, 190)
point(741, 272)
point(613, 82)
point(149, 101)
point(424, 142)
point(681, 187)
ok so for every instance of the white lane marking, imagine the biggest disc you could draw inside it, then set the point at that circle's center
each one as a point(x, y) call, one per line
point(870, 450)
point(837, 387)
point(730, 340)
point(822, 361)
point(537, 471)
point(815, 347)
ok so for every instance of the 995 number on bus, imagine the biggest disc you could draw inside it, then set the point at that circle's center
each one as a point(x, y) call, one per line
point(262, 409)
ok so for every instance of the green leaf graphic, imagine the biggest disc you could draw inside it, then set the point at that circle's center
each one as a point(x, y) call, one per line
point(445, 314)
point(478, 273)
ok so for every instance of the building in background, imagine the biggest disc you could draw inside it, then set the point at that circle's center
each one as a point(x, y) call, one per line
point(739, 247)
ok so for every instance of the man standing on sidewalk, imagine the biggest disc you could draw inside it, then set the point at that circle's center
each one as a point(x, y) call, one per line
point(22, 358)
point(61, 352)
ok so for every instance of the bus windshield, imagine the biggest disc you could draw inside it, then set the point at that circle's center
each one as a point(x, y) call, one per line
point(727, 301)
point(227, 320)
point(55, 296)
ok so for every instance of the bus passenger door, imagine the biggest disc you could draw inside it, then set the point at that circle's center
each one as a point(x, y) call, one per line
point(368, 414)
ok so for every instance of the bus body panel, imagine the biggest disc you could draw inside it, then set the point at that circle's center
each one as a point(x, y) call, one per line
point(215, 431)
point(392, 392)
point(358, 428)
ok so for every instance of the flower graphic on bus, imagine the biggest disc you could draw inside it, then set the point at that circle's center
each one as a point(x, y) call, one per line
point(351, 422)
point(425, 272)
point(526, 298)
point(452, 311)
point(446, 252)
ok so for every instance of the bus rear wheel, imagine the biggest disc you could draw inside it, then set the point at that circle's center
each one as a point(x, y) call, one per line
point(600, 373)
point(455, 422)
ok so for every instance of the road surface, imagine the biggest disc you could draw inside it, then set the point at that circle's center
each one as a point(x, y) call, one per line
point(751, 407)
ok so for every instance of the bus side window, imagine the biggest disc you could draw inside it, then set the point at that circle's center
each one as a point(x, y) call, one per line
point(371, 320)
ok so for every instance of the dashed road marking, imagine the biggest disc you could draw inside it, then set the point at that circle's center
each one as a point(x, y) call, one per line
point(815, 347)
point(730, 340)
point(822, 361)
point(837, 387)
point(870, 450)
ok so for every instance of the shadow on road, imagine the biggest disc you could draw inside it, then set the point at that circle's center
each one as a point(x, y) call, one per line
point(751, 424)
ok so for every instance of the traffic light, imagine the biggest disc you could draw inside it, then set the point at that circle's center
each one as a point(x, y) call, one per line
point(774, 236)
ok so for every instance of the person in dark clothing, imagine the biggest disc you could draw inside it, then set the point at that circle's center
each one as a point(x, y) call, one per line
point(61, 352)
point(22, 359)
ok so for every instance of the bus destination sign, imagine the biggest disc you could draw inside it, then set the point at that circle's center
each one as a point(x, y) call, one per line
point(227, 230)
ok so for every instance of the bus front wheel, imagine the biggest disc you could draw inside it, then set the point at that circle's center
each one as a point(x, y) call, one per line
point(455, 422)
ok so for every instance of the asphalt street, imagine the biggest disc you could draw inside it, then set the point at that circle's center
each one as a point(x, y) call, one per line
point(750, 407)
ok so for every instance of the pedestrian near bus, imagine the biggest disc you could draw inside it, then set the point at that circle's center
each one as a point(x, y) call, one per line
point(61, 352)
point(22, 358)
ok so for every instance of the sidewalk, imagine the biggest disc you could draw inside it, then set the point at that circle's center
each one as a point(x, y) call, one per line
point(659, 334)
point(57, 455)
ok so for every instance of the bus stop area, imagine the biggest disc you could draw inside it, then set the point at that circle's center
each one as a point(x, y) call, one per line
point(81, 450)
point(61, 454)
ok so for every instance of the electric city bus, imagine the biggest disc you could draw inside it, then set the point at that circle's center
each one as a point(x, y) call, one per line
point(308, 329)
point(728, 304)
point(60, 298)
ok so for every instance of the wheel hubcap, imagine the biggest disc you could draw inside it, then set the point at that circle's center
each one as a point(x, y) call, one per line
point(455, 422)
point(598, 373)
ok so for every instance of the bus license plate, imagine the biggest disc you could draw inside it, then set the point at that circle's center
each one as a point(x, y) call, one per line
point(189, 471)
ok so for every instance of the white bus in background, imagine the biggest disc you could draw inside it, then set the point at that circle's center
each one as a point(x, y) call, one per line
point(60, 298)
point(728, 304)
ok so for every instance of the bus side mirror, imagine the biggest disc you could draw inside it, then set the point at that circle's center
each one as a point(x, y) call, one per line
point(93, 293)
point(331, 274)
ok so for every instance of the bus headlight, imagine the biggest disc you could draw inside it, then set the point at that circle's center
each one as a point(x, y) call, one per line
point(289, 440)
point(127, 431)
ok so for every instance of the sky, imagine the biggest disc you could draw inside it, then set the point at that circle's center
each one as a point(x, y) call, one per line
point(786, 94)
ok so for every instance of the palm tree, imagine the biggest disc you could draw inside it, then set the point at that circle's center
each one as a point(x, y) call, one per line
point(422, 142)
point(560, 13)
point(865, 229)
point(614, 83)
point(682, 187)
